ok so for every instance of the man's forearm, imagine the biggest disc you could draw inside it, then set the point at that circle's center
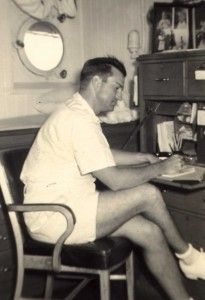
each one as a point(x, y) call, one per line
point(124, 177)
point(123, 158)
point(117, 178)
point(131, 177)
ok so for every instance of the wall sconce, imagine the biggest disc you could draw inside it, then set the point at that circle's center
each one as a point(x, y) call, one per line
point(133, 43)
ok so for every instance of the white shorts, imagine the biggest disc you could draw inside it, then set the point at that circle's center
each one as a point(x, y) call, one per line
point(48, 226)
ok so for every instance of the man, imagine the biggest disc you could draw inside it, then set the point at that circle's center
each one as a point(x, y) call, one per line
point(67, 156)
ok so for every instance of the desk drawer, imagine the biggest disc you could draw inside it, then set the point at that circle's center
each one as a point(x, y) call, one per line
point(196, 87)
point(192, 201)
point(163, 79)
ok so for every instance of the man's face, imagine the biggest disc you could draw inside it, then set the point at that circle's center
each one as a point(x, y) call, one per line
point(110, 91)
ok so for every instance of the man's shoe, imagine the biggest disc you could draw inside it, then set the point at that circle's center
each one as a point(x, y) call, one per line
point(195, 270)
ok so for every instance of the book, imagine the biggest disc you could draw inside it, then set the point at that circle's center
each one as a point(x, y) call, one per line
point(166, 136)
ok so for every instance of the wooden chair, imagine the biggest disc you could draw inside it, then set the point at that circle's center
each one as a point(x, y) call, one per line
point(97, 258)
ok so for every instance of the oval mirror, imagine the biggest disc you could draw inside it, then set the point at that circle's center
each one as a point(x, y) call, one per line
point(40, 46)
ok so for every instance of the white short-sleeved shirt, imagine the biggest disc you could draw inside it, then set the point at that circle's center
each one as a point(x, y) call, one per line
point(58, 169)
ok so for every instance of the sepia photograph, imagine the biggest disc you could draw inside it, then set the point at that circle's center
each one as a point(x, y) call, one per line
point(171, 27)
point(181, 27)
point(102, 150)
point(163, 29)
point(199, 26)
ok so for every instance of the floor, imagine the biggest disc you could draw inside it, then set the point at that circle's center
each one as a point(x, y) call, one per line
point(145, 288)
point(62, 288)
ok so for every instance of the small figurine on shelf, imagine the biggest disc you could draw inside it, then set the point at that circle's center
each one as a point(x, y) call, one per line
point(182, 43)
point(164, 32)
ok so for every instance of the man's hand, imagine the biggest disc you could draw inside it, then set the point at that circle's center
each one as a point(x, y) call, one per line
point(173, 164)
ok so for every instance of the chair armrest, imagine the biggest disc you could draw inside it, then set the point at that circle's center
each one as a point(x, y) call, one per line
point(66, 211)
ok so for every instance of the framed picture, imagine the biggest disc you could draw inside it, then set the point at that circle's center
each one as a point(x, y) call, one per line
point(198, 18)
point(171, 27)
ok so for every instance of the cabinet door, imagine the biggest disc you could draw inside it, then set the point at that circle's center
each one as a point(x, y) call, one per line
point(163, 79)
point(190, 226)
point(196, 87)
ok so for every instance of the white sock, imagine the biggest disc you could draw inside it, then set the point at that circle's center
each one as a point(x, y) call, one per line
point(189, 256)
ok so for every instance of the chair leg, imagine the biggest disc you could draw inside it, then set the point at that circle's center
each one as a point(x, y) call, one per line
point(49, 287)
point(77, 289)
point(19, 282)
point(130, 276)
point(104, 285)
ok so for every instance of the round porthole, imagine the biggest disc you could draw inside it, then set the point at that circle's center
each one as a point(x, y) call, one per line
point(40, 47)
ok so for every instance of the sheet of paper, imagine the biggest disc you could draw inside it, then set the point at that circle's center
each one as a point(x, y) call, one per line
point(195, 173)
point(166, 136)
point(185, 171)
point(201, 117)
point(200, 74)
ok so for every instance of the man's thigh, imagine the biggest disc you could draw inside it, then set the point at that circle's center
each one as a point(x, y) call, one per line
point(116, 208)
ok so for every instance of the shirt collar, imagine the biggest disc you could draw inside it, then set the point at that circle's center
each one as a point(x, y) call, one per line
point(84, 104)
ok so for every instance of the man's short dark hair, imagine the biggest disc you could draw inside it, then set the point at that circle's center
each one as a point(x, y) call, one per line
point(101, 66)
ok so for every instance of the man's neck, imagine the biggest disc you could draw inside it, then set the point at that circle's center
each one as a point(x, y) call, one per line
point(91, 102)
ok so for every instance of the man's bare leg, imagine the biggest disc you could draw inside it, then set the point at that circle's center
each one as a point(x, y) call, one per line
point(115, 208)
point(157, 255)
point(118, 215)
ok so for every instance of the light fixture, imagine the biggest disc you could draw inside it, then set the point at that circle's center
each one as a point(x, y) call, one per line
point(133, 43)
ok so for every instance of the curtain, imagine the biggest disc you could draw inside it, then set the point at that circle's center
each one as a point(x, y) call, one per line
point(41, 9)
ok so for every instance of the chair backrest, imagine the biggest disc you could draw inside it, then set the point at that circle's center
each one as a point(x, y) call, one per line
point(11, 163)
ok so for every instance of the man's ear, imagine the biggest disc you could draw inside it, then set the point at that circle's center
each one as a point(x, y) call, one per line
point(96, 82)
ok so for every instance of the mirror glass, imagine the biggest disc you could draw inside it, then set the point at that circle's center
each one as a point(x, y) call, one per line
point(43, 46)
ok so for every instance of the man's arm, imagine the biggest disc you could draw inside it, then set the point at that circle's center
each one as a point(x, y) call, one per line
point(123, 158)
point(122, 178)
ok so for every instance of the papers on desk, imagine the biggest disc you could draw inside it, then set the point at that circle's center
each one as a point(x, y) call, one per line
point(189, 173)
point(172, 135)
point(185, 171)
point(166, 138)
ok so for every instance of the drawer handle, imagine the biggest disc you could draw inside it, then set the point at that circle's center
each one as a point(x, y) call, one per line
point(200, 67)
point(162, 79)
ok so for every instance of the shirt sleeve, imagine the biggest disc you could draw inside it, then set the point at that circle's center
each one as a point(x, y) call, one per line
point(91, 149)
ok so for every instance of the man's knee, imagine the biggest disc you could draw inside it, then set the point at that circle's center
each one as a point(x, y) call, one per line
point(152, 196)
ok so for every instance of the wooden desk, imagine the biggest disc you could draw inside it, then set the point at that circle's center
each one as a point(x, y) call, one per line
point(166, 80)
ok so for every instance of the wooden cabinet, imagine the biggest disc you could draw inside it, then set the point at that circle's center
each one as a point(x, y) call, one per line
point(167, 80)
point(188, 211)
point(163, 79)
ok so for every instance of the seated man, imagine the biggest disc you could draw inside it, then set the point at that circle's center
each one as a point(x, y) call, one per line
point(70, 152)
